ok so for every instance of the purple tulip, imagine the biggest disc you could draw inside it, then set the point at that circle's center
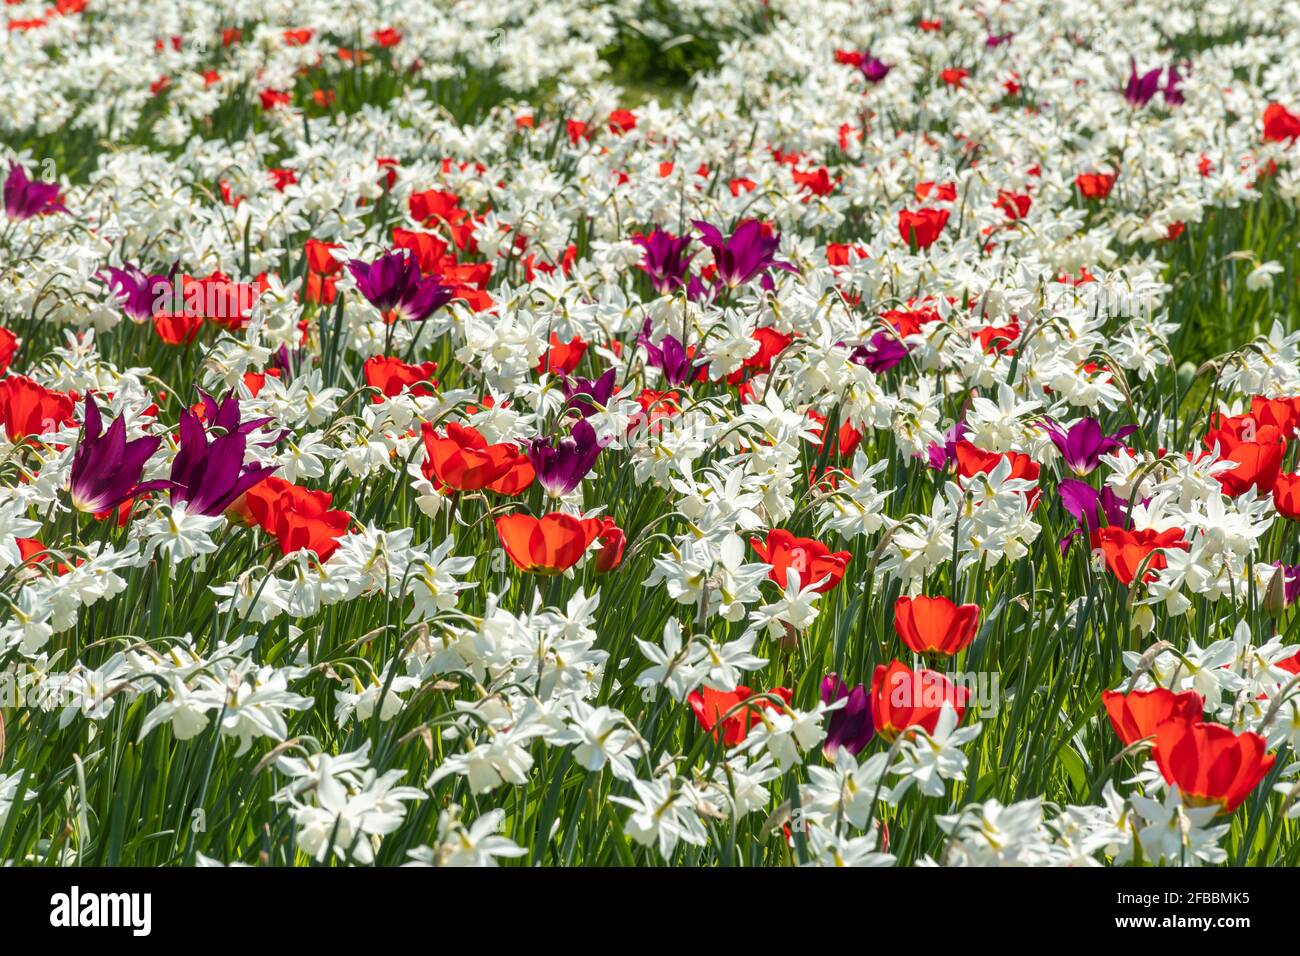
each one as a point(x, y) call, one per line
point(1173, 95)
point(939, 457)
point(225, 415)
point(664, 261)
point(873, 68)
point(1084, 444)
point(697, 291)
point(1140, 90)
point(1080, 499)
point(561, 466)
point(882, 353)
point(670, 357)
point(1290, 582)
point(25, 198)
point(996, 40)
point(288, 362)
point(850, 726)
point(583, 392)
point(1091, 508)
point(106, 468)
point(746, 253)
point(208, 476)
point(139, 294)
point(393, 283)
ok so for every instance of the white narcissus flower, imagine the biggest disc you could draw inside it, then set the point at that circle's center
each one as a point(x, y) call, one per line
point(179, 534)
point(503, 759)
point(435, 583)
point(478, 844)
point(785, 733)
point(793, 612)
point(1261, 277)
point(678, 666)
point(1173, 832)
point(927, 760)
point(729, 660)
point(601, 737)
point(663, 814)
point(362, 700)
point(849, 791)
point(829, 850)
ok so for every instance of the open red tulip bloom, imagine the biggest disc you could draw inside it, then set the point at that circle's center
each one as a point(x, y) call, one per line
point(1125, 550)
point(810, 558)
point(299, 518)
point(920, 228)
point(462, 459)
point(1256, 449)
point(547, 545)
point(1136, 715)
point(1210, 764)
point(902, 698)
point(612, 541)
point(1286, 496)
point(712, 706)
point(934, 625)
point(1282, 413)
point(391, 376)
point(28, 408)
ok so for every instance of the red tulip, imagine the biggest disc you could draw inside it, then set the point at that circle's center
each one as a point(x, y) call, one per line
point(319, 259)
point(622, 121)
point(1210, 764)
point(1286, 496)
point(1282, 413)
point(547, 545)
point(921, 227)
point(391, 376)
point(28, 408)
point(998, 339)
point(576, 130)
point(31, 549)
point(1279, 124)
point(612, 540)
point(435, 206)
point(177, 328)
point(934, 625)
point(902, 698)
point(954, 76)
point(299, 518)
point(655, 406)
point(1257, 450)
point(8, 348)
point(462, 459)
point(1136, 715)
point(1125, 550)
point(1095, 185)
point(770, 344)
point(711, 706)
point(1013, 205)
point(811, 559)
point(428, 249)
point(941, 192)
point(562, 357)
point(846, 439)
point(519, 474)
point(321, 290)
point(972, 461)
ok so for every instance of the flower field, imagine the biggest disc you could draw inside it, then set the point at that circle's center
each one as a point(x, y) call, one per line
point(562, 433)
